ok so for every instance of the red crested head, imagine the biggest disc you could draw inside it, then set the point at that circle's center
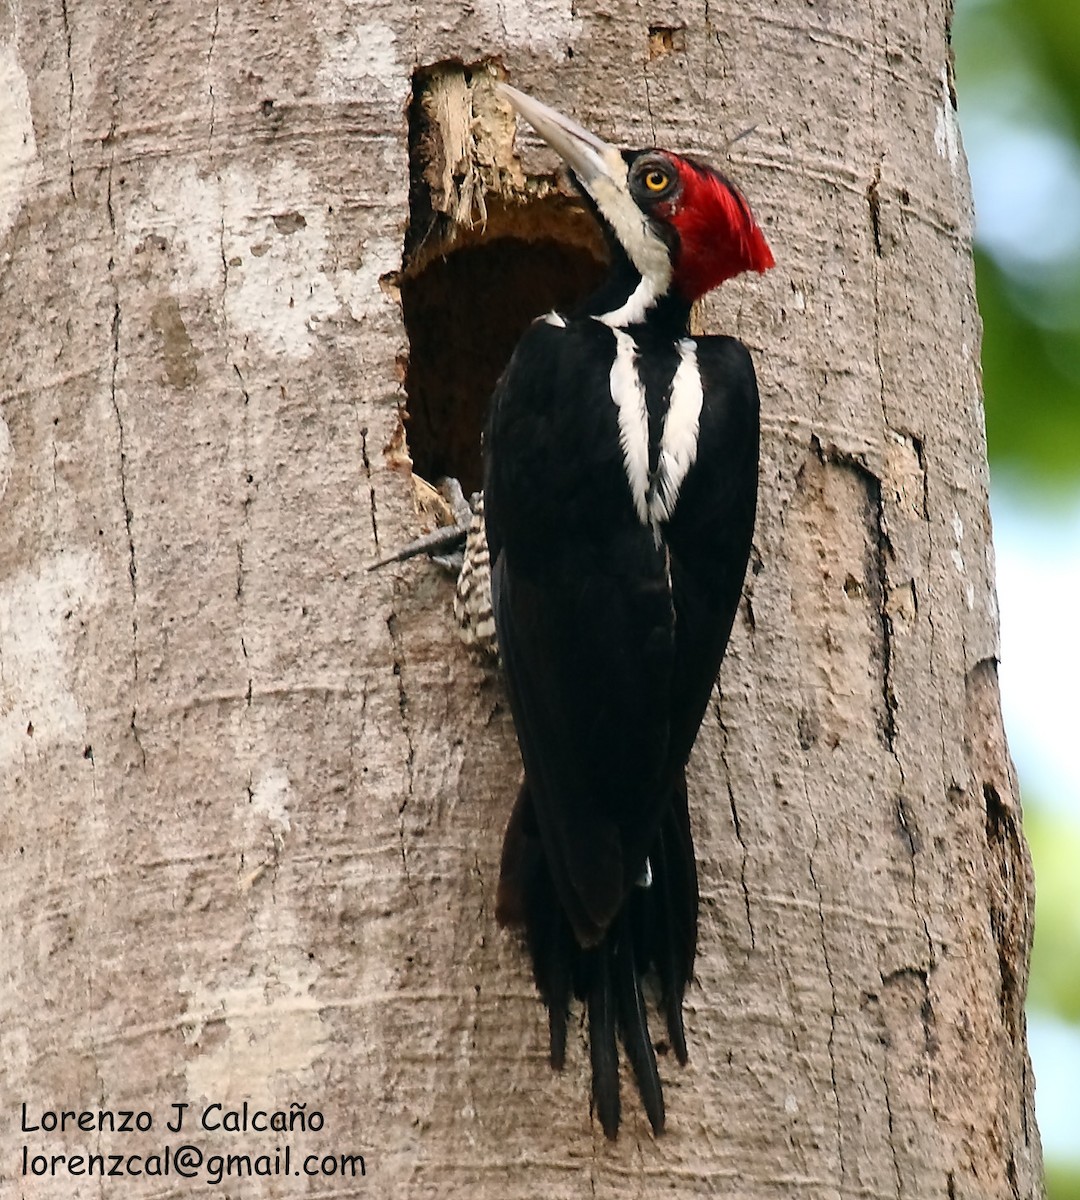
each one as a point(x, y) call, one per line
point(697, 230)
point(718, 237)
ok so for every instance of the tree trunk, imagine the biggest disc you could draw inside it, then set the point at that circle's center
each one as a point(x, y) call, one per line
point(253, 795)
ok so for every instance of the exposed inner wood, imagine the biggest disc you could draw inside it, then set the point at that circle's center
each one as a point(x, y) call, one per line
point(487, 250)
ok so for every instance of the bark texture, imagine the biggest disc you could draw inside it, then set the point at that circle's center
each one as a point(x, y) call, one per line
point(253, 796)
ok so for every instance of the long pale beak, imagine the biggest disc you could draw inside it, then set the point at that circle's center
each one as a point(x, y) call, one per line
point(602, 172)
point(589, 157)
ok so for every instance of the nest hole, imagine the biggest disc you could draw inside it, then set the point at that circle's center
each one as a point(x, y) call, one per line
point(464, 313)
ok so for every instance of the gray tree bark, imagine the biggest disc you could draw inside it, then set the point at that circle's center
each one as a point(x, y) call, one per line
point(253, 795)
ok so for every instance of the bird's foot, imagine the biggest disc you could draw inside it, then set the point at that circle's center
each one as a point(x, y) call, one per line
point(445, 545)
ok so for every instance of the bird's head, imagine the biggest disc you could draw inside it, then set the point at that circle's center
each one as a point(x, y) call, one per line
point(683, 226)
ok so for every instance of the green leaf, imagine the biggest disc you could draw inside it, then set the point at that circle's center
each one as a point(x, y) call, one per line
point(1031, 377)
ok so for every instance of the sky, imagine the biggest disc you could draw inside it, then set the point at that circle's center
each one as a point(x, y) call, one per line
point(1038, 564)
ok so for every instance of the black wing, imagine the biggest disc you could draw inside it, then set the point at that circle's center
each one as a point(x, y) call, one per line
point(710, 532)
point(584, 616)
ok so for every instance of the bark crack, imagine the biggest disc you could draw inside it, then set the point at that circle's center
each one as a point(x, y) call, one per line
point(892, 1136)
point(1010, 1173)
point(406, 726)
point(883, 549)
point(109, 210)
point(249, 479)
point(942, 724)
point(245, 529)
point(356, 728)
point(88, 754)
point(706, 24)
point(905, 823)
point(65, 17)
point(209, 62)
point(55, 484)
point(648, 101)
point(114, 369)
point(479, 872)
point(873, 200)
point(243, 387)
point(742, 859)
point(736, 823)
point(240, 580)
point(224, 278)
point(1004, 863)
point(371, 486)
point(908, 832)
point(128, 522)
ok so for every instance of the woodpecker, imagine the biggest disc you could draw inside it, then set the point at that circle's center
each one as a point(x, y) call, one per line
point(620, 486)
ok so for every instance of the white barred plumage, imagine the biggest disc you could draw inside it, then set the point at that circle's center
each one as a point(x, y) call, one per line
point(472, 596)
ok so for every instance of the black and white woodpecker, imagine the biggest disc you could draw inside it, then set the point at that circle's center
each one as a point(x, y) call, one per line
point(607, 558)
point(620, 484)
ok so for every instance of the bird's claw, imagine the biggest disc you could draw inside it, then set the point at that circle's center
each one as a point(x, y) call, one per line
point(445, 545)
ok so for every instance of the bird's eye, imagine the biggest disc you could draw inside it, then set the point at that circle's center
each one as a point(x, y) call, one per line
point(656, 180)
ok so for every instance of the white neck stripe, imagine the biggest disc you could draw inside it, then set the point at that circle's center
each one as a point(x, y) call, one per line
point(679, 441)
point(635, 307)
point(656, 495)
point(629, 395)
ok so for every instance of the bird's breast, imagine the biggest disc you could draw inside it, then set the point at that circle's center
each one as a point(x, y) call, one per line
point(657, 394)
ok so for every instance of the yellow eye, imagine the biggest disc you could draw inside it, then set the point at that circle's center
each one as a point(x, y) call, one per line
point(656, 180)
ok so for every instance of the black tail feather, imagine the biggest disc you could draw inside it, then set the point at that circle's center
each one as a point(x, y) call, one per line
point(633, 1022)
point(602, 1047)
point(655, 929)
point(674, 944)
point(526, 897)
point(555, 983)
